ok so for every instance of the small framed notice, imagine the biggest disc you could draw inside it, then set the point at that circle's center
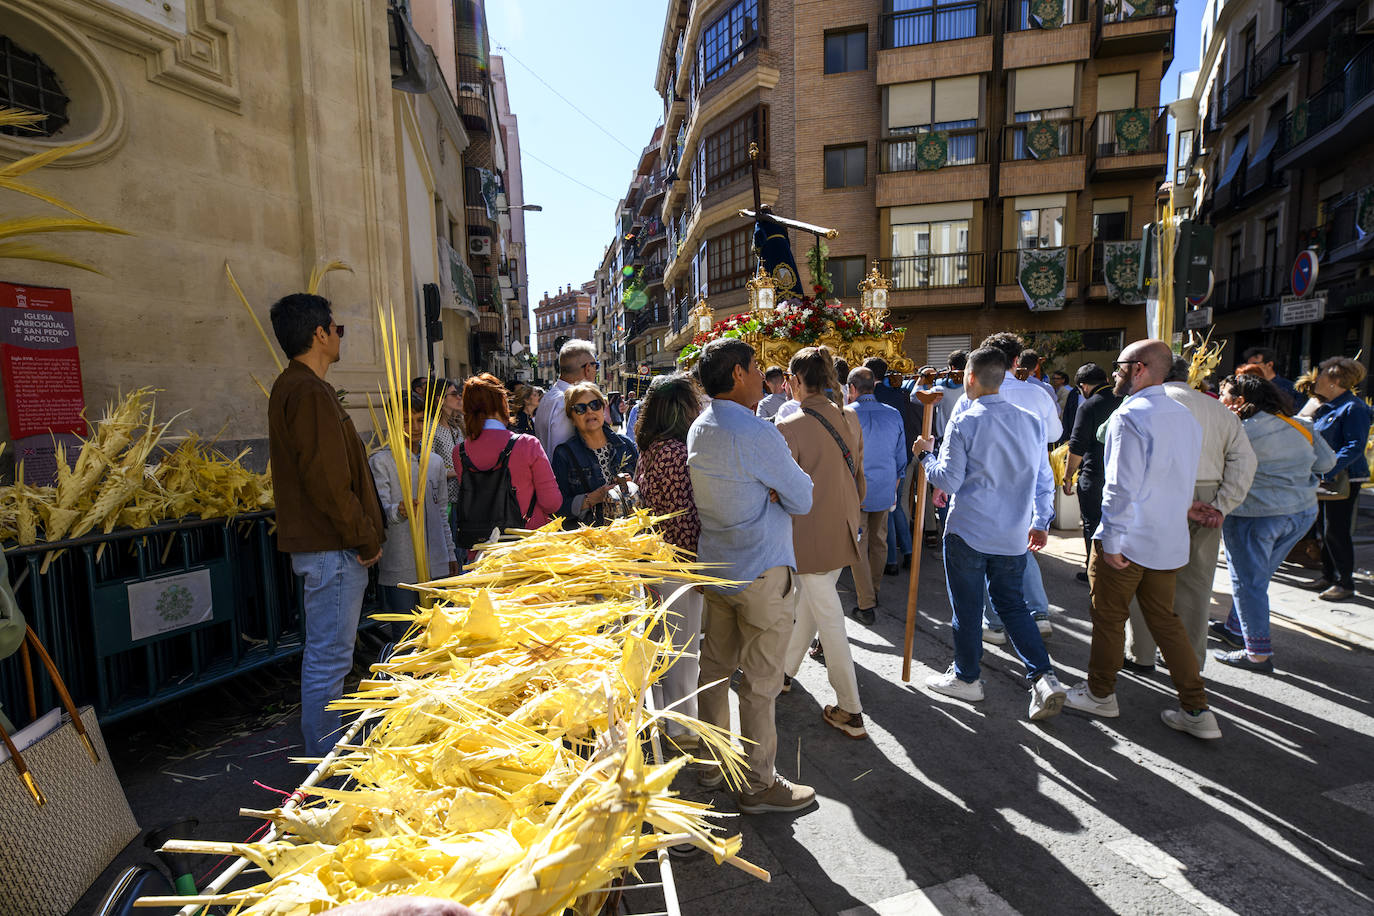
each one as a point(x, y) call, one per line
point(170, 603)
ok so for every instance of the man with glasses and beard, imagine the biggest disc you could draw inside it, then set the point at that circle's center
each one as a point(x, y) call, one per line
point(329, 518)
point(1152, 454)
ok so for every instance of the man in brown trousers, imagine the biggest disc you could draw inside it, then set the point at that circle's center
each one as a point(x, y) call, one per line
point(329, 518)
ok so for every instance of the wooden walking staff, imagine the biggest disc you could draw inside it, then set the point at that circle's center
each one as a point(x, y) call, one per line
point(928, 400)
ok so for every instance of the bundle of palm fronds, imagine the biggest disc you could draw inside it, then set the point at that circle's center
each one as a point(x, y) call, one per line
point(506, 767)
point(1204, 355)
point(121, 479)
point(14, 229)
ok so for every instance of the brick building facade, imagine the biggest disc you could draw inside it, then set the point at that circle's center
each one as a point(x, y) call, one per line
point(565, 315)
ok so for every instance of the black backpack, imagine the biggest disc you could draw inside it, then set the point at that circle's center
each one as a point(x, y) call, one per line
point(486, 499)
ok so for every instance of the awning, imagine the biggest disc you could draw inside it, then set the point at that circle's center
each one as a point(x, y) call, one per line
point(1232, 168)
point(1259, 163)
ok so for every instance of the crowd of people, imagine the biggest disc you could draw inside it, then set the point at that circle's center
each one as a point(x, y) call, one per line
point(779, 478)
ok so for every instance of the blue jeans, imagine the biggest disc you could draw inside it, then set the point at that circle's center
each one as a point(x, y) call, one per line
point(898, 535)
point(1032, 589)
point(334, 586)
point(967, 573)
point(1255, 546)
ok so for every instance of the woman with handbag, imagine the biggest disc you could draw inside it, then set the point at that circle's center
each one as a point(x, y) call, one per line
point(665, 488)
point(828, 444)
point(593, 461)
point(1279, 509)
point(1343, 421)
point(486, 418)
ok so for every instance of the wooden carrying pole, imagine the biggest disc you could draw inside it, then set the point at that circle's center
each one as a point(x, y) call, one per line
point(928, 400)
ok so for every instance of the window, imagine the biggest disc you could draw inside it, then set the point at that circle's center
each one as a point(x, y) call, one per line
point(930, 253)
point(725, 41)
point(1097, 341)
point(1111, 219)
point(727, 257)
point(29, 84)
point(919, 22)
point(940, 346)
point(950, 105)
point(845, 275)
point(844, 166)
point(726, 152)
point(1272, 284)
point(846, 51)
point(1042, 228)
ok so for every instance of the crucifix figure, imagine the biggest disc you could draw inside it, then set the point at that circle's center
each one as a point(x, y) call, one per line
point(771, 244)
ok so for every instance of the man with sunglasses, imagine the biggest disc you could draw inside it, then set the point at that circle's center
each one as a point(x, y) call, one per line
point(329, 518)
point(1152, 452)
point(576, 363)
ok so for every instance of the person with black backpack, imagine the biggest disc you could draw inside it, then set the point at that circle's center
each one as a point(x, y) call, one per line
point(504, 478)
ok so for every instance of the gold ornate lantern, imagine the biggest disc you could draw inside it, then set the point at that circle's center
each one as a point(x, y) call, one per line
point(762, 294)
point(702, 317)
point(874, 289)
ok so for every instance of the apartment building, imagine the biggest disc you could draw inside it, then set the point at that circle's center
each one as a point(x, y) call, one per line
point(559, 318)
point(941, 139)
point(1274, 148)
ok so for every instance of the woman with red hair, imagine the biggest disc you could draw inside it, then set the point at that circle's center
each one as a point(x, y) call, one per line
point(486, 415)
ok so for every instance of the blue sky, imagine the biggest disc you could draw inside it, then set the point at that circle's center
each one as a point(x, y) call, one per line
point(602, 57)
point(604, 63)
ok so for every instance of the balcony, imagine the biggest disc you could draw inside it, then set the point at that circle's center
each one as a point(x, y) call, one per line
point(916, 152)
point(653, 272)
point(931, 24)
point(1235, 93)
point(1334, 120)
point(1338, 237)
point(1123, 145)
point(1249, 288)
point(1308, 24)
point(489, 324)
point(651, 191)
point(1139, 27)
point(1021, 19)
point(1267, 61)
point(474, 95)
point(1015, 145)
point(1008, 281)
point(934, 271)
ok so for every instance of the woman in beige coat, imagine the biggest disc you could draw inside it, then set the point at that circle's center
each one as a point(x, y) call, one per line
point(826, 538)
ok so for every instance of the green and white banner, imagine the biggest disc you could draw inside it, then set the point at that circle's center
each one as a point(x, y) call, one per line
point(932, 151)
point(1042, 275)
point(1121, 269)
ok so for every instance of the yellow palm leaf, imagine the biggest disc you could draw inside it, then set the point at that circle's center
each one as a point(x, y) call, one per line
point(317, 275)
point(19, 117)
point(256, 323)
point(10, 174)
point(23, 251)
point(29, 225)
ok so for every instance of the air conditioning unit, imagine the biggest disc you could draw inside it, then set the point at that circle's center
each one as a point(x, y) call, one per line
point(1364, 18)
point(480, 245)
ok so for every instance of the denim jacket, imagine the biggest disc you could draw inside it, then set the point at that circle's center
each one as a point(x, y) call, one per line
point(1344, 424)
point(1286, 478)
point(579, 473)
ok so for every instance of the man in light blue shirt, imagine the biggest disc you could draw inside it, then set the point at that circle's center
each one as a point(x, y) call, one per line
point(747, 488)
point(885, 458)
point(995, 494)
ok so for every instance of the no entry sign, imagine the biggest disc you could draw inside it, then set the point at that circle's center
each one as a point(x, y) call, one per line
point(1303, 276)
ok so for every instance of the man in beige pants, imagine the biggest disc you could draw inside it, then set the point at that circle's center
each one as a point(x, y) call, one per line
point(1223, 478)
point(747, 487)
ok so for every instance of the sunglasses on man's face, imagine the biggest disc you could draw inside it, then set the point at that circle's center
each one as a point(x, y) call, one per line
point(594, 404)
point(337, 329)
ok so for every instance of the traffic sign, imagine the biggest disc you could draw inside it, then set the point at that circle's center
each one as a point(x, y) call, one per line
point(1295, 310)
point(1303, 276)
point(1198, 318)
point(1196, 301)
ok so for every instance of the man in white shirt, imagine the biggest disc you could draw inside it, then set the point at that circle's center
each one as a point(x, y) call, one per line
point(1223, 478)
point(1152, 444)
point(775, 383)
point(576, 363)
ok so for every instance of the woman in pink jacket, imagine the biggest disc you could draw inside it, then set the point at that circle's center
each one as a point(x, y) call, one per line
point(486, 415)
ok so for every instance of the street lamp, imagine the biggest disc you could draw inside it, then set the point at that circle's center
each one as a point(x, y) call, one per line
point(874, 289)
point(532, 208)
point(702, 313)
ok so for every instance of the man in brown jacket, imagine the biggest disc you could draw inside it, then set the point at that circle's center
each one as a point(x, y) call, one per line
point(329, 518)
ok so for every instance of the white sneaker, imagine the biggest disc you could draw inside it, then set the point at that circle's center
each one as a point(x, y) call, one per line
point(1044, 626)
point(994, 637)
point(950, 685)
point(1080, 698)
point(1198, 724)
point(1047, 697)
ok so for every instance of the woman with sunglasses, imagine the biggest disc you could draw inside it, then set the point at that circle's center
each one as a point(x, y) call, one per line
point(448, 435)
point(593, 461)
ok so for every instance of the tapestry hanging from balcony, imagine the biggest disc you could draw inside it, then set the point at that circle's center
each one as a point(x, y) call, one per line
point(1364, 212)
point(1132, 130)
point(1121, 271)
point(932, 151)
point(1041, 273)
point(1047, 14)
point(1297, 126)
point(1042, 139)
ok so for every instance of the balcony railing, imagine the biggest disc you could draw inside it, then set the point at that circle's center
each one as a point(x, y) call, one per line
point(932, 23)
point(1008, 262)
point(1266, 62)
point(934, 271)
point(1296, 14)
point(1112, 134)
point(1126, 11)
point(1019, 17)
point(963, 146)
point(653, 271)
point(1330, 103)
point(1236, 92)
point(1014, 145)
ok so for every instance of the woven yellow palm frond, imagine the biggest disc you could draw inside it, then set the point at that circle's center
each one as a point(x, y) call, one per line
point(317, 275)
point(1204, 355)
